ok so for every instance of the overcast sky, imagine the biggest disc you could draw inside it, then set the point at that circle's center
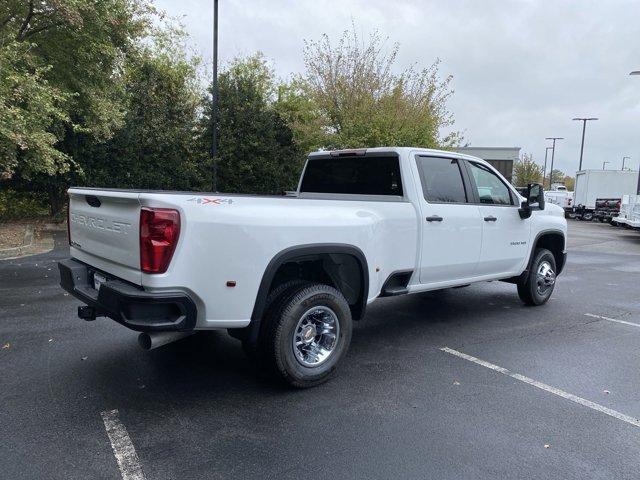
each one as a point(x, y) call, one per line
point(521, 69)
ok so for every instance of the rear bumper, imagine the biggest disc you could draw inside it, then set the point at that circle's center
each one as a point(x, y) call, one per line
point(126, 303)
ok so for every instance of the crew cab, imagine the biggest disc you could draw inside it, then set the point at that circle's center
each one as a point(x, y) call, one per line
point(288, 275)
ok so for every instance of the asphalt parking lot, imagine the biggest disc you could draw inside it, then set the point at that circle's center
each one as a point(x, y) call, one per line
point(401, 407)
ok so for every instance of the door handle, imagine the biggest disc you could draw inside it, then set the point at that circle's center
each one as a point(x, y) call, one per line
point(490, 218)
point(434, 218)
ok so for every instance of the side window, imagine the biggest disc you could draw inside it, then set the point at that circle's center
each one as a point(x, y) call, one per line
point(491, 190)
point(441, 180)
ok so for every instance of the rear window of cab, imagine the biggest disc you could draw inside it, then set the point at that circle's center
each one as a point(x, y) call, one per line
point(357, 175)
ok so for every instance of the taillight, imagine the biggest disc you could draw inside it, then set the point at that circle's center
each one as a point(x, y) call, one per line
point(159, 232)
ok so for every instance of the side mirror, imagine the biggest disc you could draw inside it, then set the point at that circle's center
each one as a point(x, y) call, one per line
point(534, 200)
point(535, 195)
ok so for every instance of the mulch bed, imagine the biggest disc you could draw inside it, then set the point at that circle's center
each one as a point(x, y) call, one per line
point(11, 235)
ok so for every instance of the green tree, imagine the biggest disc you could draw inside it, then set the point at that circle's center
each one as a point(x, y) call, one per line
point(257, 152)
point(359, 101)
point(85, 42)
point(155, 148)
point(77, 48)
point(301, 114)
point(569, 182)
point(29, 107)
point(557, 176)
point(526, 171)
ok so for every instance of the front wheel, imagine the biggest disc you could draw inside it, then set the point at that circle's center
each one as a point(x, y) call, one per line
point(538, 285)
point(307, 335)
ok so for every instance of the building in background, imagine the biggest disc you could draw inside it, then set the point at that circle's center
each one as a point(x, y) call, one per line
point(502, 158)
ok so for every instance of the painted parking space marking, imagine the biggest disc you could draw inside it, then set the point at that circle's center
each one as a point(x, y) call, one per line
point(547, 388)
point(122, 446)
point(623, 322)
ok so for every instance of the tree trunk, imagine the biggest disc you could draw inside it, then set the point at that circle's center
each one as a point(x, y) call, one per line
point(57, 202)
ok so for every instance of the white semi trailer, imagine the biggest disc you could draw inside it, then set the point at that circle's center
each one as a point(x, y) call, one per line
point(593, 184)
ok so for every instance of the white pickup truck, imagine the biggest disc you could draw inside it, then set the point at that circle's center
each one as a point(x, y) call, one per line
point(288, 275)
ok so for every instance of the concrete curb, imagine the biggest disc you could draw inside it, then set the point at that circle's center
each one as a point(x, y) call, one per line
point(27, 243)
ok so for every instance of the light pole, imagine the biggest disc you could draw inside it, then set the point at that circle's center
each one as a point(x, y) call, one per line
point(584, 127)
point(214, 97)
point(604, 163)
point(553, 154)
point(637, 72)
point(544, 171)
point(623, 159)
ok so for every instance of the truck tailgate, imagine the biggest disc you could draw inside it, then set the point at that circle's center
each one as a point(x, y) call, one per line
point(104, 230)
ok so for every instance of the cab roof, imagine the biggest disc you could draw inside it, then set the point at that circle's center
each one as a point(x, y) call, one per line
point(400, 151)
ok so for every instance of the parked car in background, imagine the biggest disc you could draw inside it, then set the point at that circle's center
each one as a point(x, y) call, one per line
point(559, 195)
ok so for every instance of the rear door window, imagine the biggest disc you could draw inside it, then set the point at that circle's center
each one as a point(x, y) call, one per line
point(441, 180)
point(362, 175)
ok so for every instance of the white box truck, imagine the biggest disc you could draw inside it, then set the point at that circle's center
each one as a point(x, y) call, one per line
point(594, 184)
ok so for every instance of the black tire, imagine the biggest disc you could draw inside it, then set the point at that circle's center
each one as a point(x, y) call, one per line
point(252, 349)
point(282, 321)
point(587, 217)
point(529, 291)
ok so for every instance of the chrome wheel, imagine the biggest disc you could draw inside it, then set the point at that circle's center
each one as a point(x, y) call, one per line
point(316, 336)
point(545, 278)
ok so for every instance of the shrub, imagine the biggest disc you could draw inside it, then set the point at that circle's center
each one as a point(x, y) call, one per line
point(22, 205)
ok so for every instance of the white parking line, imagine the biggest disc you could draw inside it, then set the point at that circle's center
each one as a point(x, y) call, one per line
point(123, 449)
point(547, 388)
point(624, 322)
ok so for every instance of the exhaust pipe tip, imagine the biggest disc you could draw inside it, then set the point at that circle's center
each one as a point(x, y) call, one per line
point(150, 340)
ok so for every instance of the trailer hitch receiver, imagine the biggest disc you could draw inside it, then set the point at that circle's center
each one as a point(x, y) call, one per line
point(87, 313)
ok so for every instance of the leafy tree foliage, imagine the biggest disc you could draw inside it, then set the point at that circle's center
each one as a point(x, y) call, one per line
point(72, 53)
point(84, 42)
point(155, 147)
point(101, 93)
point(29, 107)
point(257, 152)
point(359, 101)
point(301, 114)
point(569, 182)
point(557, 176)
point(526, 171)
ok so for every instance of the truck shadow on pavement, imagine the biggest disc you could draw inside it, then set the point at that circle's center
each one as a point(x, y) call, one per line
point(212, 365)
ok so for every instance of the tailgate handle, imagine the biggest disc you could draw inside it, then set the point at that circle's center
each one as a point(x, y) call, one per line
point(93, 200)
